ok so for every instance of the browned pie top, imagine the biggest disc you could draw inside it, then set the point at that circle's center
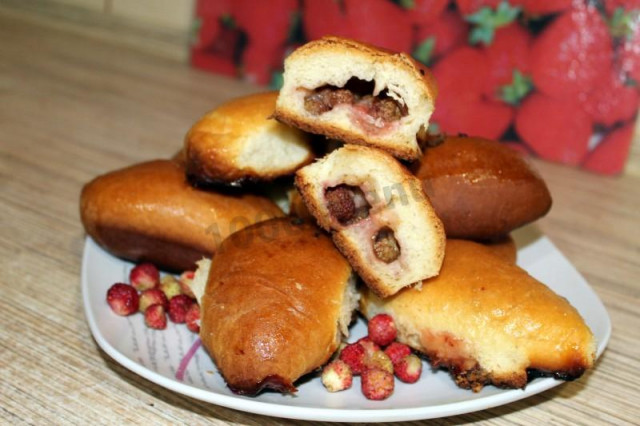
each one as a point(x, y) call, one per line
point(475, 159)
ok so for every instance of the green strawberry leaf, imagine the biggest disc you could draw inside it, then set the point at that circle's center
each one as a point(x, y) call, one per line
point(407, 4)
point(520, 86)
point(486, 21)
point(277, 80)
point(623, 24)
point(482, 35)
point(424, 50)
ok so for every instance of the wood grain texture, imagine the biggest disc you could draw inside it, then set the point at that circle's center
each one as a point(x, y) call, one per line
point(73, 107)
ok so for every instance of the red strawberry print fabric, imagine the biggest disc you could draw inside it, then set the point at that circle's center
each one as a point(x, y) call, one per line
point(558, 79)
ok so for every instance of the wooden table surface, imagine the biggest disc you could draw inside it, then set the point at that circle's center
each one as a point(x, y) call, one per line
point(73, 107)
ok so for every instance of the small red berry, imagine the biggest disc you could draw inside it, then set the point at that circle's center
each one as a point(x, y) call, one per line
point(353, 356)
point(337, 376)
point(178, 307)
point(170, 286)
point(155, 317)
point(368, 345)
point(396, 351)
point(378, 360)
point(409, 369)
point(382, 329)
point(192, 318)
point(152, 296)
point(185, 280)
point(123, 299)
point(144, 276)
point(377, 384)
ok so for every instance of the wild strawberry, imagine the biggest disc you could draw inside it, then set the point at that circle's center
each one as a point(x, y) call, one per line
point(378, 360)
point(555, 129)
point(170, 286)
point(396, 351)
point(152, 296)
point(123, 299)
point(382, 329)
point(337, 376)
point(377, 384)
point(408, 369)
point(610, 155)
point(368, 345)
point(144, 276)
point(185, 279)
point(192, 318)
point(422, 12)
point(155, 317)
point(572, 54)
point(508, 53)
point(437, 38)
point(353, 355)
point(178, 307)
point(612, 101)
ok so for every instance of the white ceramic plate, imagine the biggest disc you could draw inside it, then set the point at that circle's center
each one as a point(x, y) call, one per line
point(157, 355)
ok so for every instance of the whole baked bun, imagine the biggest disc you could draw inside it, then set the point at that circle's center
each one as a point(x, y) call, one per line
point(488, 321)
point(359, 94)
point(377, 214)
point(481, 189)
point(149, 212)
point(278, 300)
point(239, 142)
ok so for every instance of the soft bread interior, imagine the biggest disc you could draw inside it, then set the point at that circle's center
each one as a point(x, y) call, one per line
point(334, 64)
point(271, 148)
point(200, 277)
point(349, 305)
point(240, 140)
point(397, 202)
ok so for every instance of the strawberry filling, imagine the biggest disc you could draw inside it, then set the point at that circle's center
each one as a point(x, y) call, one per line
point(348, 205)
point(385, 245)
point(372, 112)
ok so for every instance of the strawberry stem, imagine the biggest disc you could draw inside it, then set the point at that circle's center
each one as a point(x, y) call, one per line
point(520, 86)
point(622, 23)
point(486, 20)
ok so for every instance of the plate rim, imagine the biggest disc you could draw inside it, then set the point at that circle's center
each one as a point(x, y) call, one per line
point(275, 409)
